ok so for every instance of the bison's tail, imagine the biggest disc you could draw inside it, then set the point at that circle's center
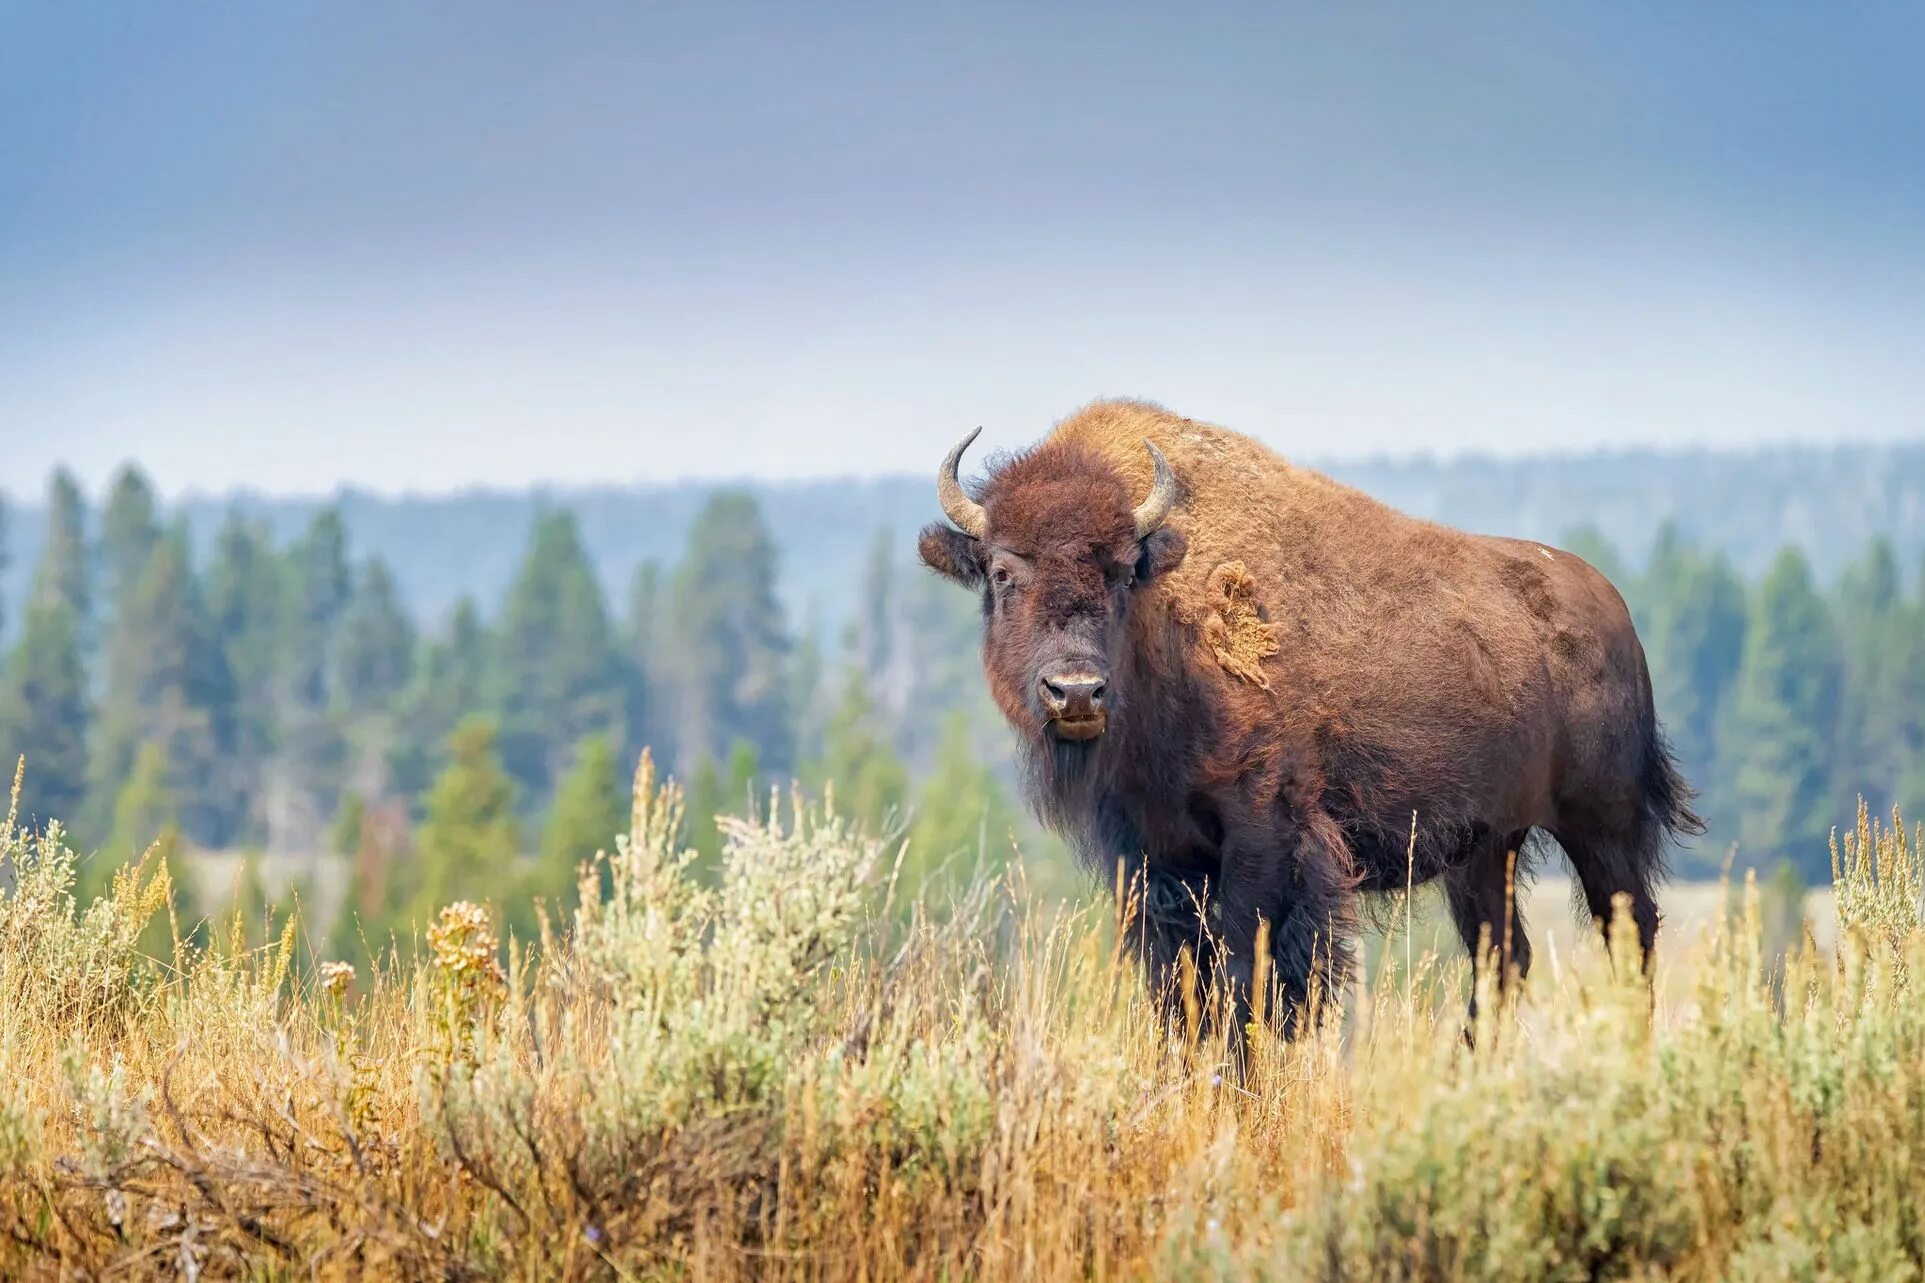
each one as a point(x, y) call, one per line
point(1667, 794)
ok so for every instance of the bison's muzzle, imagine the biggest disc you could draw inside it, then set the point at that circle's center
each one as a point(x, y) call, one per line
point(1073, 703)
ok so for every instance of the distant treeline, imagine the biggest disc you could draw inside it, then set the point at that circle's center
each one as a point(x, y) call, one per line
point(1828, 501)
point(279, 695)
point(278, 691)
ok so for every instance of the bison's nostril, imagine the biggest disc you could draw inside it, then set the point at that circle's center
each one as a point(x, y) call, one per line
point(1076, 694)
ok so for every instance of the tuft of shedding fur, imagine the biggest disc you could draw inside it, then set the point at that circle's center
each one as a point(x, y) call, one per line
point(1298, 670)
point(1234, 630)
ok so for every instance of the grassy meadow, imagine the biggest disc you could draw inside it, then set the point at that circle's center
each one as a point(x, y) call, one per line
point(798, 1071)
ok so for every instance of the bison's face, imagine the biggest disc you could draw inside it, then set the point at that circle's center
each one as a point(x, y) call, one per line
point(1059, 550)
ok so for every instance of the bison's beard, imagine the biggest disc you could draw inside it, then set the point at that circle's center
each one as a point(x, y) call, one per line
point(1061, 779)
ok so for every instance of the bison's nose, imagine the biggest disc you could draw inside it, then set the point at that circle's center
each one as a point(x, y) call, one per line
point(1073, 696)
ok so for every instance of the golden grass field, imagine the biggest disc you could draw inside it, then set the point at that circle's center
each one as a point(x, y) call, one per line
point(774, 1078)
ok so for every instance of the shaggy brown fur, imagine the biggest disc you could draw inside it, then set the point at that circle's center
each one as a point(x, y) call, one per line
point(1292, 671)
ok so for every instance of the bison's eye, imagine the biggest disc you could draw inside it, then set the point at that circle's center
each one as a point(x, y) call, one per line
point(999, 577)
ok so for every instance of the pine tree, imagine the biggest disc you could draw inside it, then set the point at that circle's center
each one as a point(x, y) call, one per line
point(344, 837)
point(129, 530)
point(63, 573)
point(806, 714)
point(244, 615)
point(374, 653)
point(43, 712)
point(727, 643)
point(874, 639)
point(643, 635)
point(129, 535)
point(590, 808)
point(1694, 642)
point(448, 686)
point(373, 660)
point(303, 781)
point(1778, 740)
point(162, 682)
point(469, 842)
point(963, 818)
point(937, 643)
point(557, 675)
point(870, 782)
point(1877, 713)
point(145, 811)
point(712, 794)
point(1910, 667)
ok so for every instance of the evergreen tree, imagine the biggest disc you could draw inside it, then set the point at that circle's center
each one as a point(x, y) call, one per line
point(1779, 737)
point(712, 794)
point(1879, 714)
point(1694, 642)
point(163, 679)
point(1910, 668)
point(591, 807)
point(643, 638)
point(727, 643)
point(146, 811)
point(937, 644)
point(129, 529)
point(870, 782)
point(963, 817)
point(374, 655)
point(469, 841)
point(319, 586)
point(344, 838)
point(874, 631)
point(63, 574)
point(43, 712)
point(45, 709)
point(447, 687)
point(244, 613)
point(374, 658)
point(557, 675)
point(302, 784)
point(806, 715)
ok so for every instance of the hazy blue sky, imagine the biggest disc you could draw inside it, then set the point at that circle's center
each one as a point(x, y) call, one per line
point(422, 246)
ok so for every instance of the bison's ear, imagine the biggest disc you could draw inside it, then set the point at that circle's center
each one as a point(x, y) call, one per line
point(1162, 552)
point(952, 554)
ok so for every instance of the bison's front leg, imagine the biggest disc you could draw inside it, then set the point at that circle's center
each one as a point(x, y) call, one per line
point(1299, 879)
point(1169, 917)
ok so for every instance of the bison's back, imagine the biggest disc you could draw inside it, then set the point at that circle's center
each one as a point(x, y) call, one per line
point(1400, 638)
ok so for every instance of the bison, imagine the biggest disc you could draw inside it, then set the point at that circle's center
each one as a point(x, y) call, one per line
point(1266, 692)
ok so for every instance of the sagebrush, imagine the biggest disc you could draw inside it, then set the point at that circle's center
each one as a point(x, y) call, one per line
point(771, 1077)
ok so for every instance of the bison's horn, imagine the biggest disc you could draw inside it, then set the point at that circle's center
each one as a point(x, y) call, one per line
point(956, 504)
point(1151, 512)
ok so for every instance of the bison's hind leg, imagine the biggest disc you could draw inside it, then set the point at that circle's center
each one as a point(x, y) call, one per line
point(1481, 890)
point(1618, 854)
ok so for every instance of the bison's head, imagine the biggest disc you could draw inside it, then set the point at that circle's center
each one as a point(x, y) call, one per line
point(1059, 548)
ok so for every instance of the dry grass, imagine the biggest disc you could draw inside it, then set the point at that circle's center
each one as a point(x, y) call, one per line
point(741, 1082)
